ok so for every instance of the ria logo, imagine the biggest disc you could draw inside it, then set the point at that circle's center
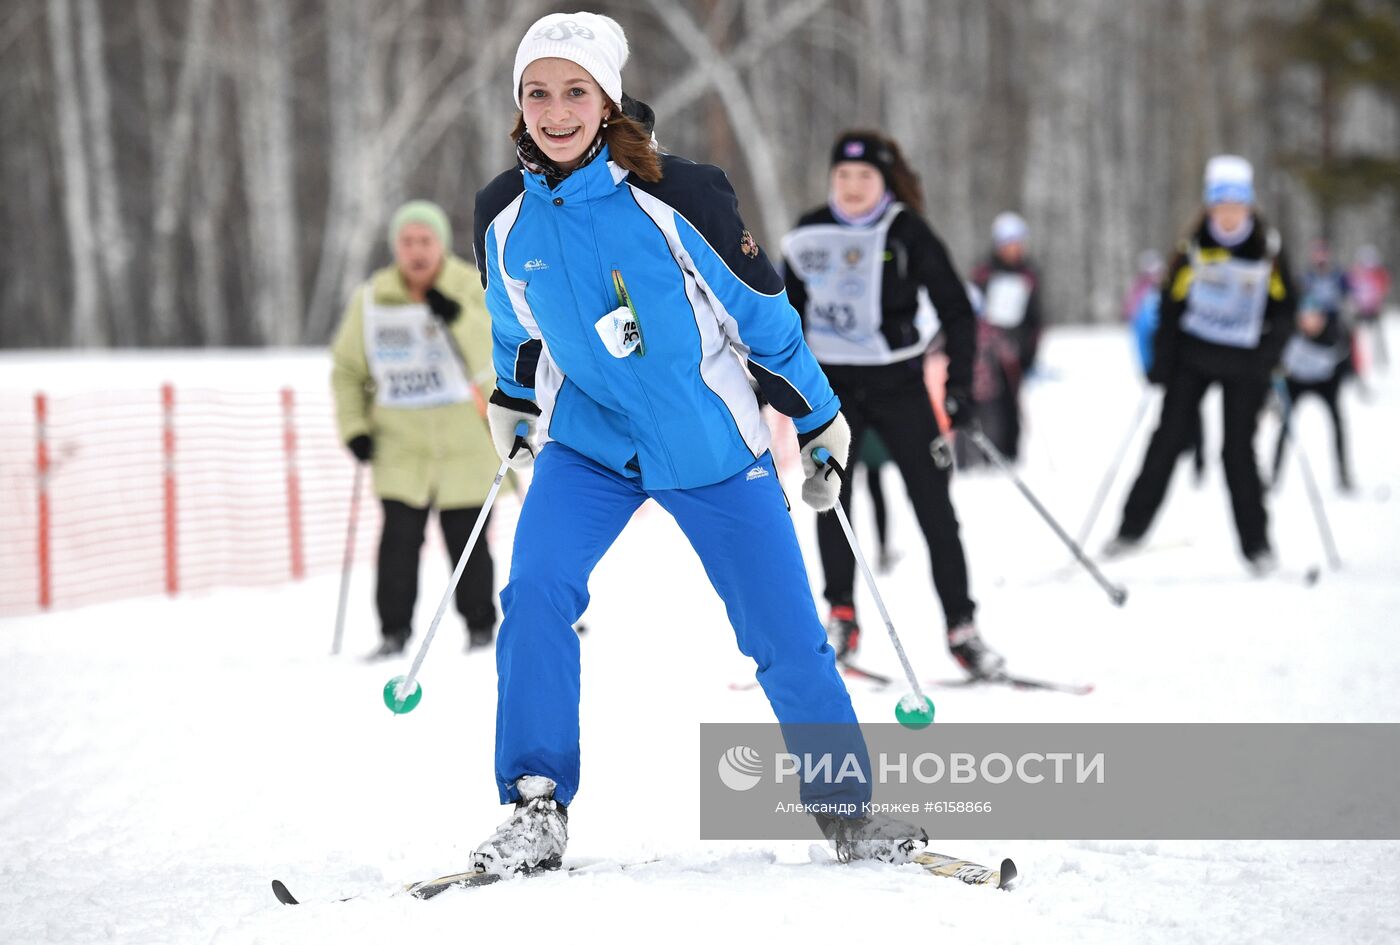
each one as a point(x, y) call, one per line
point(740, 768)
point(535, 265)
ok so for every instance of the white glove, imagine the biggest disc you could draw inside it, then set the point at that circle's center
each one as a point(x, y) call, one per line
point(504, 414)
point(822, 487)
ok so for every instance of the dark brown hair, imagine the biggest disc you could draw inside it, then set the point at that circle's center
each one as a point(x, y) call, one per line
point(628, 141)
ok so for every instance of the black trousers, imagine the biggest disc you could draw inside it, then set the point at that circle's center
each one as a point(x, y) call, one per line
point(1242, 400)
point(893, 401)
point(1330, 392)
point(400, 546)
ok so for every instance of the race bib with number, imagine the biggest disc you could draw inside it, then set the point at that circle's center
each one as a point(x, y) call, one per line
point(843, 269)
point(1007, 297)
point(1226, 302)
point(410, 357)
point(1309, 362)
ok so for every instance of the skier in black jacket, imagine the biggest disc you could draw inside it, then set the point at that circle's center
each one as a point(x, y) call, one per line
point(1008, 333)
point(867, 274)
point(1227, 311)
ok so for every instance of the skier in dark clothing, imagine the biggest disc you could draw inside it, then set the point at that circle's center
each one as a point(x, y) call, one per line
point(1227, 311)
point(866, 273)
point(1008, 334)
point(1315, 363)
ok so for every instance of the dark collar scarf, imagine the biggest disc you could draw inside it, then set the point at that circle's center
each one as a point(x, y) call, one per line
point(533, 159)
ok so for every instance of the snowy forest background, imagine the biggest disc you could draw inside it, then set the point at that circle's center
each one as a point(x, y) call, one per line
point(219, 172)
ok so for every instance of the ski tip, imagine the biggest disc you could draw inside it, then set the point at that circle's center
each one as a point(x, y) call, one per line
point(283, 894)
point(1007, 874)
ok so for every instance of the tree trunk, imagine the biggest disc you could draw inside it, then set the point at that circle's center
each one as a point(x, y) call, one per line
point(85, 321)
point(114, 249)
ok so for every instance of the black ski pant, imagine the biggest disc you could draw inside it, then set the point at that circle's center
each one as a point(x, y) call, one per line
point(400, 546)
point(1330, 393)
point(893, 401)
point(1242, 399)
point(877, 501)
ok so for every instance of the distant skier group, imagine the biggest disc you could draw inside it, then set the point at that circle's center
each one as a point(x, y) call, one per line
point(634, 328)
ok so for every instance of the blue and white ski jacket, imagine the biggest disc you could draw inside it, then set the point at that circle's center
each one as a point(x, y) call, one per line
point(680, 413)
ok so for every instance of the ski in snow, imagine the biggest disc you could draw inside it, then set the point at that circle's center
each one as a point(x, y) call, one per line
point(935, 864)
point(428, 888)
point(1015, 682)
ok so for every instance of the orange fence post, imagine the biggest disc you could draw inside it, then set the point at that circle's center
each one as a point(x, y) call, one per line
point(41, 462)
point(172, 572)
point(289, 447)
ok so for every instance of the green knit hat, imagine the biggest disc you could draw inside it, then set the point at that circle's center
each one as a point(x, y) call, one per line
point(427, 213)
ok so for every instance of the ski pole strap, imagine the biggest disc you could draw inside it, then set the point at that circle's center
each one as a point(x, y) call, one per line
point(822, 457)
point(521, 429)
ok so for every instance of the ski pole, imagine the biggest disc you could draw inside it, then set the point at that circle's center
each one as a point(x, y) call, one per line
point(402, 693)
point(1115, 593)
point(349, 557)
point(823, 457)
point(1334, 559)
point(1111, 474)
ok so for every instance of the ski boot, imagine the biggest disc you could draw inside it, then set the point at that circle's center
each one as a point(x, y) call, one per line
point(480, 637)
point(876, 837)
point(973, 655)
point(1119, 546)
point(532, 839)
point(1261, 563)
point(843, 631)
point(393, 644)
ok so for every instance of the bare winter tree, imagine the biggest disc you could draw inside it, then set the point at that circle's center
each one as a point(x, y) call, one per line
point(220, 171)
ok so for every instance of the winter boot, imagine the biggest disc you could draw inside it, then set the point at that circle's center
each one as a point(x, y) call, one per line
point(1261, 563)
point(876, 837)
point(532, 838)
point(393, 644)
point(479, 637)
point(843, 631)
point(973, 655)
point(1119, 546)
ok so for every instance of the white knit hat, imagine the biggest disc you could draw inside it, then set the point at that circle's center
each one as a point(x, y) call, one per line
point(1009, 227)
point(1228, 179)
point(592, 40)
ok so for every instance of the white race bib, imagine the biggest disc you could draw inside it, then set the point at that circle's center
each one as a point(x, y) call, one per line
point(410, 357)
point(1309, 362)
point(1008, 294)
point(1225, 305)
point(843, 269)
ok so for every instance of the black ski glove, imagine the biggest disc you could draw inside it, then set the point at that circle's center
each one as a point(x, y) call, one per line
point(443, 308)
point(958, 405)
point(362, 446)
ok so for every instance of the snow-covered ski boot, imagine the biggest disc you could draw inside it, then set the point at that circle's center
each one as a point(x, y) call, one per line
point(843, 631)
point(1120, 545)
point(393, 644)
point(876, 837)
point(480, 637)
point(1261, 563)
point(532, 839)
point(972, 653)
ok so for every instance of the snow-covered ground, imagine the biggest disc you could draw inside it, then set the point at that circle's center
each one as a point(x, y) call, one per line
point(164, 759)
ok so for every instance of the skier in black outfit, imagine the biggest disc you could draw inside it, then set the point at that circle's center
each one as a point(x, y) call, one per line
point(1227, 311)
point(1008, 334)
point(866, 272)
point(1315, 362)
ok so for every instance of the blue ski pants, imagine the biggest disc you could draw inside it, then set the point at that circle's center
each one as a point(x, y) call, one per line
point(743, 533)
